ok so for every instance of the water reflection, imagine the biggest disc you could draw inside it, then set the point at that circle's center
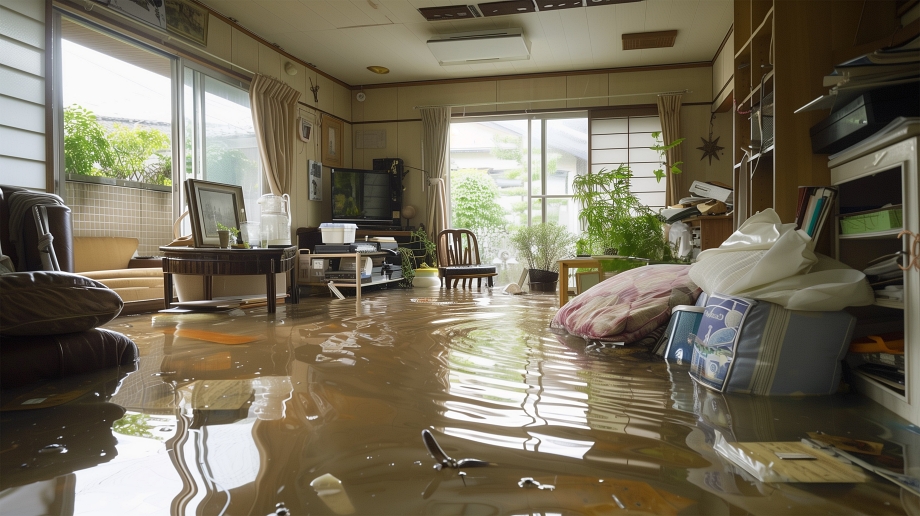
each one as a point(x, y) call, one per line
point(234, 413)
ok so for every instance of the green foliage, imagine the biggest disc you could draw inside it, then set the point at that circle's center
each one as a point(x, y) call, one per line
point(615, 218)
point(233, 231)
point(408, 266)
point(429, 247)
point(132, 154)
point(507, 147)
point(226, 165)
point(86, 148)
point(662, 150)
point(132, 149)
point(543, 245)
point(473, 197)
point(137, 425)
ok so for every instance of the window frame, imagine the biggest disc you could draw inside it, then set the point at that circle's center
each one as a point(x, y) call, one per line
point(529, 118)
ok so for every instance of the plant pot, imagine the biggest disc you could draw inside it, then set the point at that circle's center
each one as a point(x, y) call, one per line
point(543, 281)
point(224, 238)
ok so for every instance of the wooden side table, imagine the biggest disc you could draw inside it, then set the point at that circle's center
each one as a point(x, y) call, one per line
point(575, 263)
point(208, 262)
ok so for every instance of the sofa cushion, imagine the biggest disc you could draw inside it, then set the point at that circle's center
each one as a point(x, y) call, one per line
point(132, 284)
point(51, 303)
point(27, 359)
point(102, 253)
point(628, 306)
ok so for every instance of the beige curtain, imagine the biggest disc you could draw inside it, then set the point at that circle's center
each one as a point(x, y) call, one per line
point(435, 135)
point(669, 113)
point(274, 115)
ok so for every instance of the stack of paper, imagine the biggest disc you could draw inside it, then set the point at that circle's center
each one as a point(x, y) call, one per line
point(885, 67)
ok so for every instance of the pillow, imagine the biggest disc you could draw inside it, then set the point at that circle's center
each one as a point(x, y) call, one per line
point(628, 306)
point(51, 303)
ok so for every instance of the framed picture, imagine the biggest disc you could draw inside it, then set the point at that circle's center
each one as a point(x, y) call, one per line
point(188, 20)
point(306, 129)
point(151, 13)
point(210, 203)
point(316, 180)
point(332, 141)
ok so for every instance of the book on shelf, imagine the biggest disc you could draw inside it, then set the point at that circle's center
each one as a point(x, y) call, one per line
point(814, 204)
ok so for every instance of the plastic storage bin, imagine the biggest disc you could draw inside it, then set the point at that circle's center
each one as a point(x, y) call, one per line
point(338, 233)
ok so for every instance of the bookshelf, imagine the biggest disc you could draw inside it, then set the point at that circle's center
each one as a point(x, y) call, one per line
point(883, 170)
point(782, 51)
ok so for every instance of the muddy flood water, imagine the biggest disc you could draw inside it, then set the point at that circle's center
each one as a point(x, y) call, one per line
point(321, 407)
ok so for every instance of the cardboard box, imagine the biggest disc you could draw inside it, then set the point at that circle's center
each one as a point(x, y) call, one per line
point(714, 191)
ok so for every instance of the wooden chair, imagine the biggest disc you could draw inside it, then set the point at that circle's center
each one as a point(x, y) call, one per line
point(458, 259)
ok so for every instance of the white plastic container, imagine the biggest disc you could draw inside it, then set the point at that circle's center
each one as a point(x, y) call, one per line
point(338, 233)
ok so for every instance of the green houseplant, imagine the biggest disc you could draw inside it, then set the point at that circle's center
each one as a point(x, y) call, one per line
point(661, 148)
point(541, 246)
point(615, 220)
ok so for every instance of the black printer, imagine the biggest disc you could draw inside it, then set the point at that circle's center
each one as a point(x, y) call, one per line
point(867, 113)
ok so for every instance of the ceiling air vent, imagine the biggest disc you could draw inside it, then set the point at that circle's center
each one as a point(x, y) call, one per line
point(640, 40)
point(480, 46)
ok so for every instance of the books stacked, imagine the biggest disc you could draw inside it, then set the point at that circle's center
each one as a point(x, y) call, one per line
point(814, 204)
point(884, 67)
point(881, 357)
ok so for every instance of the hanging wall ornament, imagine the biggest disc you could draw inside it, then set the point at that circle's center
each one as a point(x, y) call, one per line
point(710, 147)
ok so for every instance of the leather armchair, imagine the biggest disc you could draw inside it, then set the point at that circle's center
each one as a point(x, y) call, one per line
point(60, 222)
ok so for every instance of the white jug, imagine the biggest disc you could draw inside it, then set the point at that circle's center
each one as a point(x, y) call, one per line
point(276, 219)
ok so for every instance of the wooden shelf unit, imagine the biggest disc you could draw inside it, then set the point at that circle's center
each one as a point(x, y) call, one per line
point(883, 170)
point(780, 49)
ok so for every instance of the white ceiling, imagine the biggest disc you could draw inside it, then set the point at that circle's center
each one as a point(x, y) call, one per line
point(344, 37)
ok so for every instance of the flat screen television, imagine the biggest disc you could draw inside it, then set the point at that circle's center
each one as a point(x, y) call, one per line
point(362, 197)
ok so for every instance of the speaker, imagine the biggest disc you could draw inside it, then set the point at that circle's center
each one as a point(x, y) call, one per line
point(677, 339)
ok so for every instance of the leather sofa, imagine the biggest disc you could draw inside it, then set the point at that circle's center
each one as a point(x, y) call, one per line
point(48, 319)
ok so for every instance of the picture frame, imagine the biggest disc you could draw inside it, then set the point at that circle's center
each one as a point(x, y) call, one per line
point(210, 203)
point(188, 20)
point(142, 10)
point(305, 129)
point(332, 141)
point(586, 280)
point(315, 180)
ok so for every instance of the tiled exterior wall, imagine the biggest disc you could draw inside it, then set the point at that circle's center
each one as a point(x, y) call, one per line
point(109, 210)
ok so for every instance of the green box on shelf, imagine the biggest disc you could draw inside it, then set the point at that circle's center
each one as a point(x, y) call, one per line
point(871, 222)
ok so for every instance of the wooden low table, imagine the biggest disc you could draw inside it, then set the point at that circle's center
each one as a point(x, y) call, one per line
point(209, 262)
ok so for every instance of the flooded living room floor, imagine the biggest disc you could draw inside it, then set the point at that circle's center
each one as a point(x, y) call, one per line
point(321, 407)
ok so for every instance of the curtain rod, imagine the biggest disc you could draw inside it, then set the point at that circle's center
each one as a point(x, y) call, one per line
point(659, 93)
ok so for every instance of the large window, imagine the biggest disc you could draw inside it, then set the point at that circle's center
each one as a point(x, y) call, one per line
point(130, 112)
point(520, 169)
point(507, 172)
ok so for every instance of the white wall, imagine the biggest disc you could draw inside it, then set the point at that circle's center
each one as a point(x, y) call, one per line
point(22, 93)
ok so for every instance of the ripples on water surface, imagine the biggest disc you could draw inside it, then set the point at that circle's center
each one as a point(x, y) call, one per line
point(233, 413)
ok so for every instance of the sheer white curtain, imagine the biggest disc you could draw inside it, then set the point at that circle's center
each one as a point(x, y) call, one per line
point(435, 138)
point(274, 113)
point(669, 113)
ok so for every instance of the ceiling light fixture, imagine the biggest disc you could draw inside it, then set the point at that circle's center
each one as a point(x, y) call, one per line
point(379, 69)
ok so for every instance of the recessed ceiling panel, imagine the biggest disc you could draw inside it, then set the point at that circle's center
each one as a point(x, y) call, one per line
point(448, 12)
point(507, 7)
point(640, 40)
point(591, 3)
point(554, 5)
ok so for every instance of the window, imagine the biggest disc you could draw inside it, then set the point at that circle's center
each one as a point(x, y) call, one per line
point(518, 171)
point(515, 171)
point(220, 141)
point(117, 142)
point(627, 140)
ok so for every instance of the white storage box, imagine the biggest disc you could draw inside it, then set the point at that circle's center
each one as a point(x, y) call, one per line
point(337, 233)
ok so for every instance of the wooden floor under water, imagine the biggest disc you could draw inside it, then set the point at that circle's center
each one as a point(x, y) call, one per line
point(321, 407)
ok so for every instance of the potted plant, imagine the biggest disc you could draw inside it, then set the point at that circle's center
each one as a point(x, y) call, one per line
point(224, 233)
point(541, 246)
point(615, 220)
point(662, 149)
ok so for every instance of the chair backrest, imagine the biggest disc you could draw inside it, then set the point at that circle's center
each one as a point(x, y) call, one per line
point(457, 247)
